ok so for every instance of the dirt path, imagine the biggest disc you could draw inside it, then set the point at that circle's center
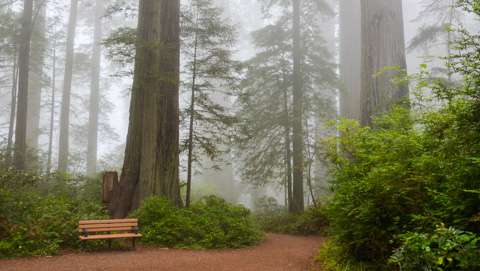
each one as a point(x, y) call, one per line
point(277, 253)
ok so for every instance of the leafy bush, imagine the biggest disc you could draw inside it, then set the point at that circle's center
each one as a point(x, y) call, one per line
point(274, 218)
point(443, 250)
point(209, 223)
point(38, 220)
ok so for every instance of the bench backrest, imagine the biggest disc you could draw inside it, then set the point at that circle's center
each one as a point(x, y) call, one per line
point(117, 225)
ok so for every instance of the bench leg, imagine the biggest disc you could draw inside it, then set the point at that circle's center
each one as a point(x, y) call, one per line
point(133, 243)
point(109, 243)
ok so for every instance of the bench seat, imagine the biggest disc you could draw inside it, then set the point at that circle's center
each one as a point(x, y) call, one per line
point(111, 236)
point(109, 229)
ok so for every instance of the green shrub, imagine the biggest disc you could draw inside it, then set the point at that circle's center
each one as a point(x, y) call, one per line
point(37, 220)
point(443, 250)
point(209, 223)
point(274, 218)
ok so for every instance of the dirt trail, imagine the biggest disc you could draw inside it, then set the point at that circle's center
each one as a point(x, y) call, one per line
point(276, 253)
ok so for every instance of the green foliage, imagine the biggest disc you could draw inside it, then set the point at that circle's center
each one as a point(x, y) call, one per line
point(209, 223)
point(265, 96)
point(445, 249)
point(332, 257)
point(39, 214)
point(274, 218)
point(413, 170)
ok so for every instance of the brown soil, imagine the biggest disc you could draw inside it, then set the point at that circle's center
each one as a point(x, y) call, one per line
point(276, 253)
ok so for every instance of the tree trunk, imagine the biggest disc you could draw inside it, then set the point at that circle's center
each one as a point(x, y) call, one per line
point(67, 88)
point(13, 106)
point(288, 150)
point(383, 45)
point(36, 80)
point(350, 59)
point(23, 74)
point(152, 150)
point(192, 119)
point(52, 107)
point(298, 144)
point(95, 91)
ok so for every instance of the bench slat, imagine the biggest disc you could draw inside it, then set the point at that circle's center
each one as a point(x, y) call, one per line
point(110, 221)
point(129, 229)
point(97, 226)
point(111, 236)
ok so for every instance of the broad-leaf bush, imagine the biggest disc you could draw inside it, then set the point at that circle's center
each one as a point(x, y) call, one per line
point(274, 218)
point(413, 169)
point(208, 223)
point(445, 249)
point(36, 219)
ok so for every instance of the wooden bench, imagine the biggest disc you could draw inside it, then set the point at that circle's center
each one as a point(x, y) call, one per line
point(109, 229)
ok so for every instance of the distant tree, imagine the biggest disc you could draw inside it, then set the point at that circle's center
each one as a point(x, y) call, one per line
point(208, 75)
point(350, 58)
point(23, 75)
point(439, 17)
point(151, 161)
point(383, 55)
point(94, 101)
point(36, 80)
point(63, 151)
point(265, 100)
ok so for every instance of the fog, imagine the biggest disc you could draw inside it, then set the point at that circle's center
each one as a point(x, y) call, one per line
point(249, 163)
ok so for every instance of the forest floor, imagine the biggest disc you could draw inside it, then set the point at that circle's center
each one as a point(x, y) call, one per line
point(276, 253)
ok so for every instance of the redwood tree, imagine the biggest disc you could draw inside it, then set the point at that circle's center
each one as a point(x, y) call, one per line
point(152, 150)
point(23, 74)
point(383, 46)
point(67, 89)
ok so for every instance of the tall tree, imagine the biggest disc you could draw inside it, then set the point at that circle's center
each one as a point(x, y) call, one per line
point(67, 89)
point(209, 68)
point(95, 90)
point(36, 82)
point(151, 162)
point(23, 74)
point(265, 101)
point(297, 118)
point(383, 55)
point(52, 102)
point(350, 58)
point(13, 103)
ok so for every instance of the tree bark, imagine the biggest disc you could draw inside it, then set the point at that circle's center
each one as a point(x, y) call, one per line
point(383, 45)
point(67, 89)
point(298, 144)
point(95, 91)
point(23, 74)
point(350, 59)
point(36, 80)
point(152, 151)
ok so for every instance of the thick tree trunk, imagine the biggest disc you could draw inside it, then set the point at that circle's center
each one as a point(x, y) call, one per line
point(67, 88)
point(13, 106)
point(23, 74)
point(95, 91)
point(298, 144)
point(152, 150)
point(36, 80)
point(350, 59)
point(383, 45)
point(52, 107)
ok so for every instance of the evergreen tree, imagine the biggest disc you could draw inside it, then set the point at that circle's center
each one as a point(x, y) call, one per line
point(208, 75)
point(266, 97)
point(151, 161)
